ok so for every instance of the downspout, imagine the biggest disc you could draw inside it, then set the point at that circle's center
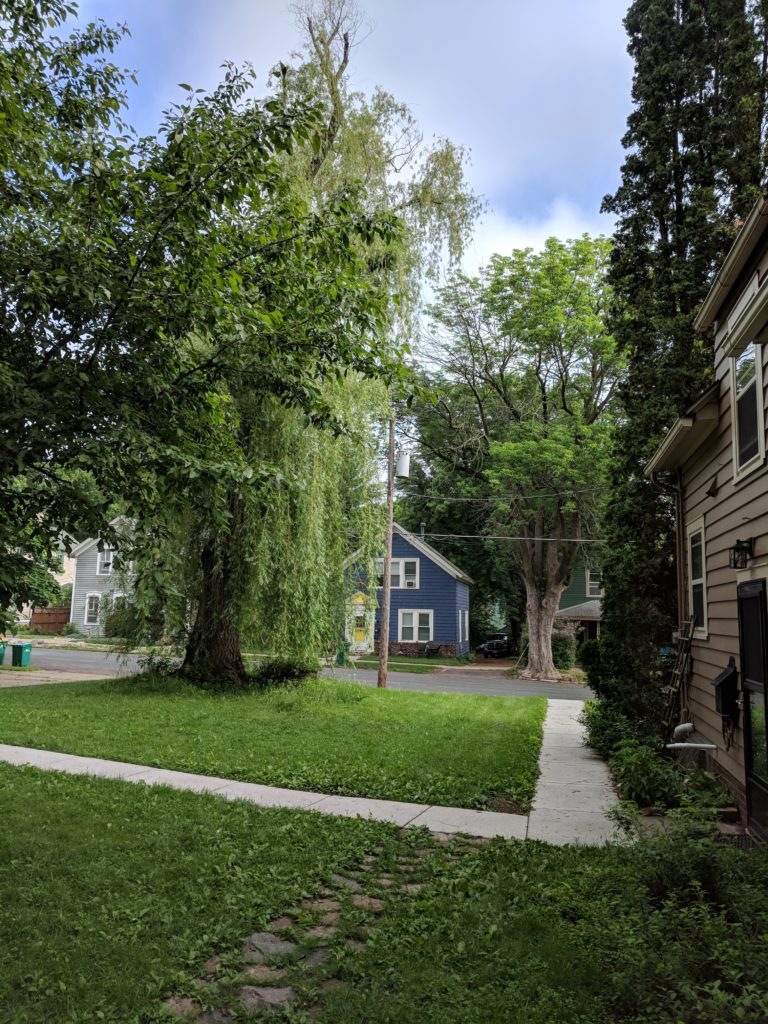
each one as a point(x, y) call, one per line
point(682, 593)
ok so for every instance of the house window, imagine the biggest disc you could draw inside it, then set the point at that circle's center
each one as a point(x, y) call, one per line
point(404, 574)
point(414, 625)
point(106, 561)
point(463, 625)
point(747, 410)
point(697, 587)
point(594, 584)
point(92, 602)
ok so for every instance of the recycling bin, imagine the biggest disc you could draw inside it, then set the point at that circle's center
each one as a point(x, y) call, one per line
point(21, 653)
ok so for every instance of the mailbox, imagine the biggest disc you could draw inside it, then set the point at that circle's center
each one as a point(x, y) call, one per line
point(726, 686)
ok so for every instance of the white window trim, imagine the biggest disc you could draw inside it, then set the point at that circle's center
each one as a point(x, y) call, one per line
point(740, 472)
point(416, 612)
point(99, 563)
point(399, 562)
point(93, 593)
point(463, 625)
point(589, 593)
point(700, 631)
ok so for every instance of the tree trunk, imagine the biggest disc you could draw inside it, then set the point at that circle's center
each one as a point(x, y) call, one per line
point(540, 614)
point(213, 652)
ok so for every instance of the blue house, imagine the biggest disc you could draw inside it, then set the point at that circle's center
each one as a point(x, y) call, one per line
point(429, 602)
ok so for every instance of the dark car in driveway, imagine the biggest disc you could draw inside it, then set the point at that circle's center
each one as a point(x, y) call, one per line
point(498, 645)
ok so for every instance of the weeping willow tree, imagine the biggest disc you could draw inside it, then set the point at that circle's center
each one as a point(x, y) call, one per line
point(262, 559)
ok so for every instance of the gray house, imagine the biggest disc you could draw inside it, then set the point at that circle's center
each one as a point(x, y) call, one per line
point(96, 583)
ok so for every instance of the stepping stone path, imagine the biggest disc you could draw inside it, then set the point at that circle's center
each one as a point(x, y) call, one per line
point(304, 956)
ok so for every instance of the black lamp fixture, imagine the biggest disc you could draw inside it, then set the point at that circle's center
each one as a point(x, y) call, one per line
point(740, 553)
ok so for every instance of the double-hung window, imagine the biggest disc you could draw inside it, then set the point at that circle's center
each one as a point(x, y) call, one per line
point(463, 625)
point(697, 576)
point(594, 584)
point(92, 602)
point(414, 626)
point(404, 573)
point(106, 562)
point(747, 411)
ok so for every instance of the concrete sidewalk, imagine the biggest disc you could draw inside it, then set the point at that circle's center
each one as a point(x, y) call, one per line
point(572, 796)
point(574, 791)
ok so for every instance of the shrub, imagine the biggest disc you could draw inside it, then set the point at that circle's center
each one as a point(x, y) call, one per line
point(606, 727)
point(69, 629)
point(644, 776)
point(283, 672)
point(564, 650)
point(588, 656)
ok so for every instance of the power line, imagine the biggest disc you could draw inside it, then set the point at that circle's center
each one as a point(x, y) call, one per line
point(500, 497)
point(483, 536)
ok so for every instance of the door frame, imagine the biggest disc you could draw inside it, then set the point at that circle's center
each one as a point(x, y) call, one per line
point(756, 786)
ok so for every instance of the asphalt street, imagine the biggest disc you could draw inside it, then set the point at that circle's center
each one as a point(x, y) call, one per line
point(483, 681)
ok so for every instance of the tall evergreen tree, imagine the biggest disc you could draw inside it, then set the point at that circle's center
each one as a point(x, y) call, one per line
point(694, 165)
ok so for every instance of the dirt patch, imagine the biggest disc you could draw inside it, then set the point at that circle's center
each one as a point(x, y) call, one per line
point(505, 805)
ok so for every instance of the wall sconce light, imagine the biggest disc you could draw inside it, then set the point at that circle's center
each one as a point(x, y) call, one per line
point(740, 553)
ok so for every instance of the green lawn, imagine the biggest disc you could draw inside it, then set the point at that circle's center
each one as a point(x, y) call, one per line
point(332, 737)
point(113, 895)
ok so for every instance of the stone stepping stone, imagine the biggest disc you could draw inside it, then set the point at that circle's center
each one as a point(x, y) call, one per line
point(355, 945)
point(255, 998)
point(317, 956)
point(413, 887)
point(263, 973)
point(331, 985)
point(321, 932)
point(281, 923)
point(333, 917)
point(368, 903)
point(211, 965)
point(324, 904)
point(346, 883)
point(214, 1017)
point(261, 945)
point(181, 1006)
point(384, 882)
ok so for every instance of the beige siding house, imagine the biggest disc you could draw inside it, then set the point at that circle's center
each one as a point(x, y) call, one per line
point(717, 452)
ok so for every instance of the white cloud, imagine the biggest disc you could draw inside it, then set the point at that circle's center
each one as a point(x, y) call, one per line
point(500, 232)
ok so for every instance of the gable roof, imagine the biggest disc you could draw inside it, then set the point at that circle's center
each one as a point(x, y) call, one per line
point(426, 549)
point(88, 543)
point(585, 610)
point(429, 552)
point(687, 433)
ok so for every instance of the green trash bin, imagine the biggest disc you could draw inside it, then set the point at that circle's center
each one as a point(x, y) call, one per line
point(2, 651)
point(342, 658)
point(21, 653)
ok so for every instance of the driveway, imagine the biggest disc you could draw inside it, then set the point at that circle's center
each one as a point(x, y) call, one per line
point(67, 666)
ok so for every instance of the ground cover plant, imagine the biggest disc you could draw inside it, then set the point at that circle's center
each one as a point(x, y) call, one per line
point(114, 897)
point(112, 894)
point(322, 735)
point(665, 930)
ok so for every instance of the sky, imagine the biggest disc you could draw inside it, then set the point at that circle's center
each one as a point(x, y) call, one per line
point(538, 92)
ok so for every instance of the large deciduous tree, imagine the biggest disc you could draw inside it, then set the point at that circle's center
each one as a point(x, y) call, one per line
point(527, 375)
point(695, 160)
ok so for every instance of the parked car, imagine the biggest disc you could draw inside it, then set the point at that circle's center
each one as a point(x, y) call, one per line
point(498, 645)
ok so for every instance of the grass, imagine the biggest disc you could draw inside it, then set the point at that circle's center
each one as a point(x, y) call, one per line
point(416, 669)
point(331, 737)
point(670, 930)
point(112, 894)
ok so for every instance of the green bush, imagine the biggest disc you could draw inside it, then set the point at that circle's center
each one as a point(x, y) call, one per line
point(69, 629)
point(606, 727)
point(644, 776)
point(588, 656)
point(283, 672)
point(563, 650)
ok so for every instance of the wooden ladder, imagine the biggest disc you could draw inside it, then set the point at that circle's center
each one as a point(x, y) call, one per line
point(679, 675)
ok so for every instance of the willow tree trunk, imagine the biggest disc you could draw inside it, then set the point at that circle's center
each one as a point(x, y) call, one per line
point(213, 652)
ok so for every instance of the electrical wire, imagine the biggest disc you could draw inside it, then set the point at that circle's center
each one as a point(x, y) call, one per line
point(483, 536)
point(499, 497)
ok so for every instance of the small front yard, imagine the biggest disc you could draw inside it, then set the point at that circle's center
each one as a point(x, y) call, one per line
point(114, 896)
point(332, 737)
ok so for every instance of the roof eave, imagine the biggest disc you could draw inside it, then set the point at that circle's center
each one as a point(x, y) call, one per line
point(733, 264)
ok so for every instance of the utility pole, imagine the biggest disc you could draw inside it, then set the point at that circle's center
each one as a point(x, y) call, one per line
point(387, 586)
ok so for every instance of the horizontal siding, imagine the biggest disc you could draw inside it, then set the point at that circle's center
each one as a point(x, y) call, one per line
point(88, 582)
point(437, 591)
point(738, 510)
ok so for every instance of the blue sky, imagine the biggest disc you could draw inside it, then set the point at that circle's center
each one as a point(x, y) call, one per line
point(539, 92)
